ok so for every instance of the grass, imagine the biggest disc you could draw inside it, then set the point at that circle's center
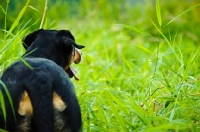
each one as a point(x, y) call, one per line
point(140, 68)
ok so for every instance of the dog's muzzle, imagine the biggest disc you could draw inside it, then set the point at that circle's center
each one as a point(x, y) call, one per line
point(76, 58)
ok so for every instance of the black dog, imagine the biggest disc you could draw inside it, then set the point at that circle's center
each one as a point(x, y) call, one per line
point(40, 96)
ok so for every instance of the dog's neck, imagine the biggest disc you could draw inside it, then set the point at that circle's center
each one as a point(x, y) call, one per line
point(61, 61)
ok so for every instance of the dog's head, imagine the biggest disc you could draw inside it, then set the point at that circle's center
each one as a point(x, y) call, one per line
point(56, 45)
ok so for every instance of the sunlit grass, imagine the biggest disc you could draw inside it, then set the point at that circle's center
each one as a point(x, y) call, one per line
point(136, 74)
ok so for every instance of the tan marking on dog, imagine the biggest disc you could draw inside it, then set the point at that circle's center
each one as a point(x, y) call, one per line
point(58, 103)
point(75, 57)
point(25, 105)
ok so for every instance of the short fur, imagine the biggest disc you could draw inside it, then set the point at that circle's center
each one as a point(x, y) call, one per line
point(41, 74)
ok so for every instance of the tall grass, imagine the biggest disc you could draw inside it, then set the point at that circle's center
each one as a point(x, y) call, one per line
point(140, 68)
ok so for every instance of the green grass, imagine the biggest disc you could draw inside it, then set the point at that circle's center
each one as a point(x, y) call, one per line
point(140, 68)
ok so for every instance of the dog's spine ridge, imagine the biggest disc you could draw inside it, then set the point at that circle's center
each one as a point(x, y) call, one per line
point(40, 91)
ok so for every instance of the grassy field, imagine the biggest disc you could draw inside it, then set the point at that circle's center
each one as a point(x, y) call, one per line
point(140, 68)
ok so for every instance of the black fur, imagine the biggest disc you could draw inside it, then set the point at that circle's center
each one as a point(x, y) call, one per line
point(48, 52)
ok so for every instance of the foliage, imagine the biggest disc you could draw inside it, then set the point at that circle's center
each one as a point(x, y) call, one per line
point(140, 68)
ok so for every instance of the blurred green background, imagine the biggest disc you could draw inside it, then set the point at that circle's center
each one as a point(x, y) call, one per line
point(136, 74)
point(62, 13)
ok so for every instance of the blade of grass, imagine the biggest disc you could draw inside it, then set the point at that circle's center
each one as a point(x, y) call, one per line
point(19, 17)
point(30, 52)
point(190, 62)
point(172, 70)
point(170, 126)
point(115, 111)
point(139, 111)
point(9, 97)
point(22, 29)
point(2, 106)
point(101, 115)
point(33, 8)
point(134, 29)
point(1, 130)
point(127, 63)
point(189, 9)
point(7, 2)
point(146, 50)
point(26, 63)
point(7, 45)
point(44, 13)
point(101, 129)
point(13, 37)
point(158, 13)
point(168, 42)
point(3, 10)
point(165, 79)
point(118, 102)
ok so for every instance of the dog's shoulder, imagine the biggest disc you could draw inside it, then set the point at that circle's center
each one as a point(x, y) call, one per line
point(25, 68)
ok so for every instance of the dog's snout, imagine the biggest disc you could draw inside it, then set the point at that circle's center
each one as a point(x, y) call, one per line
point(79, 51)
point(78, 54)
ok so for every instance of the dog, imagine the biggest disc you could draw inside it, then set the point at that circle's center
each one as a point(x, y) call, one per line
point(36, 90)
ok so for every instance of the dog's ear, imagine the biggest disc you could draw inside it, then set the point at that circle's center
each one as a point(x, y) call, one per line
point(27, 40)
point(79, 46)
point(69, 42)
point(67, 34)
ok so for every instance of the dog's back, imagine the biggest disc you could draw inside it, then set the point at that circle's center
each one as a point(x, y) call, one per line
point(37, 93)
point(40, 80)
